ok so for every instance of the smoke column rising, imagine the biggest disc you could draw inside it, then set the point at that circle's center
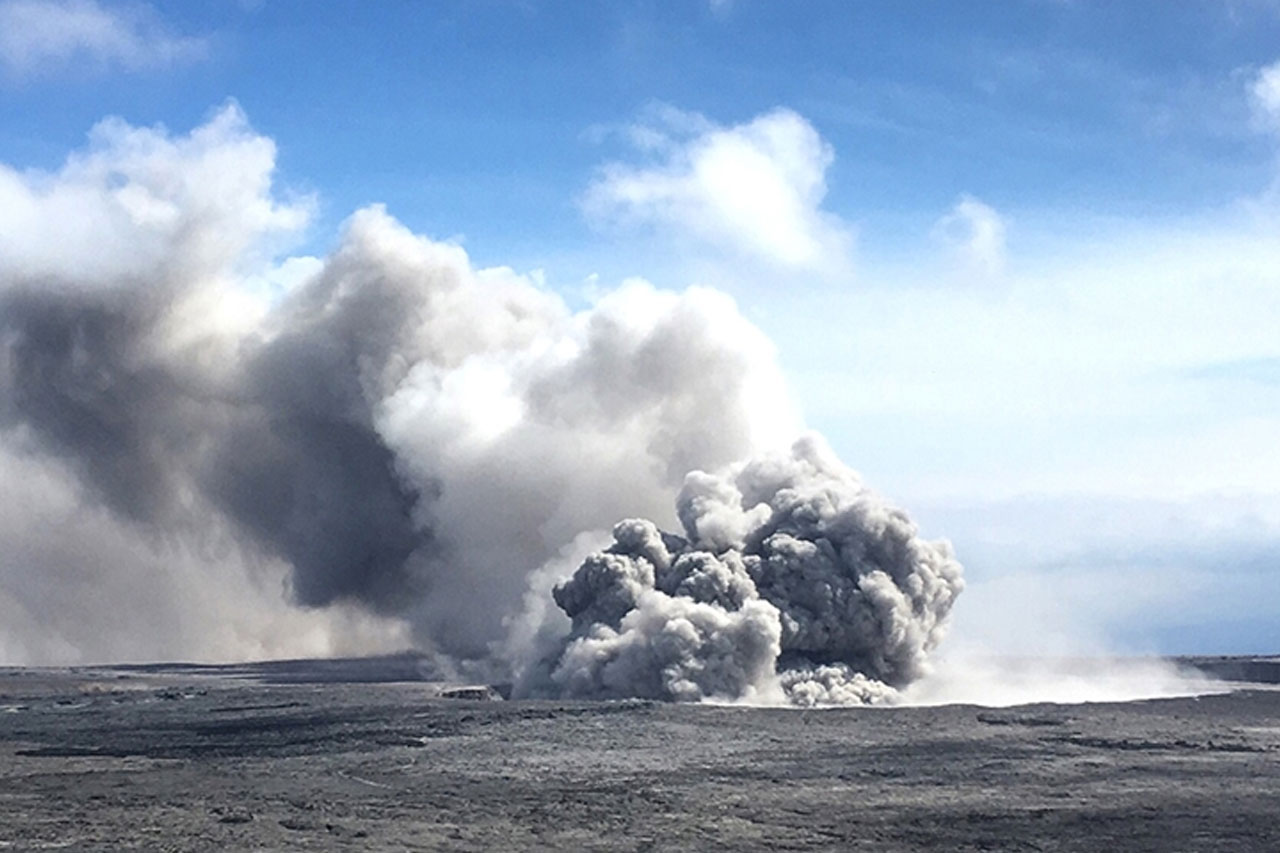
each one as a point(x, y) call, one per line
point(410, 444)
point(792, 579)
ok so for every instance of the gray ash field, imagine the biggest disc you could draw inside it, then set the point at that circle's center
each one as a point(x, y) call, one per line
point(341, 755)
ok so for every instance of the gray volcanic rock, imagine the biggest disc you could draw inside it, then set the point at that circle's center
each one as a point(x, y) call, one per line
point(476, 693)
point(207, 759)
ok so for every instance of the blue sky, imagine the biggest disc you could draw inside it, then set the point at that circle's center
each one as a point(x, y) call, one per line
point(1022, 268)
point(461, 116)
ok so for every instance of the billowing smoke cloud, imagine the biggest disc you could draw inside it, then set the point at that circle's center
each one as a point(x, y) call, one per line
point(416, 449)
point(791, 578)
point(397, 429)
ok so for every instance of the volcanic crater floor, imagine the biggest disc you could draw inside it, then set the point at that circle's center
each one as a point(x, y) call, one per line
point(232, 758)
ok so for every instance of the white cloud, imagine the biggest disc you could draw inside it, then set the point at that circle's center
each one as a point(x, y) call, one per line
point(976, 233)
point(37, 36)
point(754, 190)
point(1078, 374)
point(139, 195)
point(1118, 356)
point(1265, 92)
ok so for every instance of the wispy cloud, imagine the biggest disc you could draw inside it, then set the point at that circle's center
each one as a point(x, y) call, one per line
point(1262, 371)
point(40, 36)
point(753, 189)
point(976, 232)
point(1265, 95)
point(1131, 356)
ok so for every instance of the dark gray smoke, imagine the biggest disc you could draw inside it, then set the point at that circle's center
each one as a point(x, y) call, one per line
point(791, 578)
point(301, 465)
point(282, 441)
point(76, 379)
point(389, 431)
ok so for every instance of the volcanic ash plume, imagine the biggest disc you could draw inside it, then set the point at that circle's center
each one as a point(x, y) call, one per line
point(213, 455)
point(387, 430)
point(792, 579)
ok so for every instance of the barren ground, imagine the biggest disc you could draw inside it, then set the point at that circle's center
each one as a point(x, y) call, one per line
point(264, 759)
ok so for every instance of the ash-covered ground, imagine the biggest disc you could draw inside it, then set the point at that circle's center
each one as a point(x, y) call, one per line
point(363, 755)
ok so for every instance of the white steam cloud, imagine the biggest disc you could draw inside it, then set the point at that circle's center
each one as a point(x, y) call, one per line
point(418, 450)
